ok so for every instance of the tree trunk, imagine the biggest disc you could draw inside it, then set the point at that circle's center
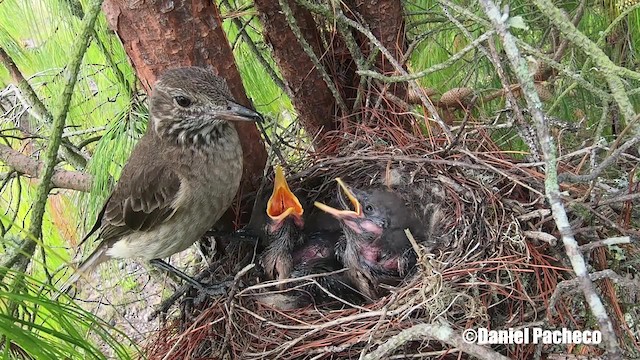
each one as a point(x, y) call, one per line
point(311, 96)
point(386, 21)
point(161, 34)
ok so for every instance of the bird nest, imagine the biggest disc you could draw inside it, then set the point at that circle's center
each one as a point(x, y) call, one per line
point(498, 264)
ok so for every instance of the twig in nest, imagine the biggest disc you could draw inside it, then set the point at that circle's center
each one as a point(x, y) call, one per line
point(542, 236)
point(313, 329)
point(375, 328)
point(441, 332)
point(230, 305)
point(540, 213)
point(573, 285)
point(606, 242)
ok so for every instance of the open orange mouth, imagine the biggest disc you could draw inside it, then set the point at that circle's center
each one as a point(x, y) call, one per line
point(357, 208)
point(282, 202)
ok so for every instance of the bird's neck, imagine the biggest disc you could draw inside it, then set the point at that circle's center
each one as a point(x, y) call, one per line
point(200, 136)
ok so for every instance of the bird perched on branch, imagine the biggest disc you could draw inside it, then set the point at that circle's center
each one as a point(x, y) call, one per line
point(375, 248)
point(182, 175)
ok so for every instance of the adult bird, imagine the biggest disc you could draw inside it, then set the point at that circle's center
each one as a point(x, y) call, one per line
point(181, 176)
point(375, 248)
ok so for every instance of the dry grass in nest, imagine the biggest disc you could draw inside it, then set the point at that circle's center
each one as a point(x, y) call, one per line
point(497, 265)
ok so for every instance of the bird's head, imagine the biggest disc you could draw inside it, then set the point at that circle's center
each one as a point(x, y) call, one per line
point(358, 214)
point(192, 105)
point(283, 207)
point(368, 214)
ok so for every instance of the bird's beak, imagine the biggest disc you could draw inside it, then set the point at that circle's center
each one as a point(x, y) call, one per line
point(237, 112)
point(347, 213)
point(283, 202)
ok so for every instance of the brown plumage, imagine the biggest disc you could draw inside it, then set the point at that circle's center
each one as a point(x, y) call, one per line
point(182, 175)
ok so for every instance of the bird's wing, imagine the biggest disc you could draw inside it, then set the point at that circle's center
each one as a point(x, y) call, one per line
point(144, 197)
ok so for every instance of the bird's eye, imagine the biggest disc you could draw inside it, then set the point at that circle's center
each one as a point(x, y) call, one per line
point(228, 108)
point(368, 208)
point(182, 101)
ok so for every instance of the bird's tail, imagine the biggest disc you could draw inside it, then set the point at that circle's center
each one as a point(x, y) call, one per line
point(97, 257)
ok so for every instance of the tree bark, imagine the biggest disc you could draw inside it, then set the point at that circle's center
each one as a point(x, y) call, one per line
point(311, 96)
point(386, 21)
point(161, 34)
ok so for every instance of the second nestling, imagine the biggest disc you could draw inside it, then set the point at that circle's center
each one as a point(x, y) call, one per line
point(375, 248)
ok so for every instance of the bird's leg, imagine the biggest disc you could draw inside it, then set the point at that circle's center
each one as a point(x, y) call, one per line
point(212, 290)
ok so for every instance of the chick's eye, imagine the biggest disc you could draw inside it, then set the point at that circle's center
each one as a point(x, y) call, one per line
point(368, 208)
point(182, 101)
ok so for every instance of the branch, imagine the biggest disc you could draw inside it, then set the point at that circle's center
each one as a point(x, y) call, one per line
point(437, 67)
point(610, 70)
point(413, 85)
point(440, 332)
point(606, 242)
point(571, 284)
point(571, 178)
point(39, 111)
point(293, 24)
point(242, 32)
point(74, 180)
point(50, 157)
point(552, 187)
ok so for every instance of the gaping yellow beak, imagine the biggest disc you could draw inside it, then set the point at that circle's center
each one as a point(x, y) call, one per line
point(282, 202)
point(357, 208)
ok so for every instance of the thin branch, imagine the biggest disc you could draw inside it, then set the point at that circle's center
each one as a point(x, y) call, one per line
point(293, 24)
point(413, 85)
point(618, 199)
point(50, 156)
point(257, 53)
point(39, 109)
point(568, 177)
point(530, 49)
point(559, 53)
point(571, 284)
point(74, 180)
point(563, 70)
point(441, 332)
point(606, 242)
point(552, 187)
point(610, 71)
point(437, 67)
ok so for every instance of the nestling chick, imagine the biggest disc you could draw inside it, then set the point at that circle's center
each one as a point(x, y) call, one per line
point(282, 229)
point(375, 248)
point(295, 246)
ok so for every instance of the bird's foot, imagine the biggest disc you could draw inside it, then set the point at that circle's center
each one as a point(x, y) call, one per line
point(208, 289)
point(219, 289)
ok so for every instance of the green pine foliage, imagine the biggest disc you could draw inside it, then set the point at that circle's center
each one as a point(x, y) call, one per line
point(108, 114)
